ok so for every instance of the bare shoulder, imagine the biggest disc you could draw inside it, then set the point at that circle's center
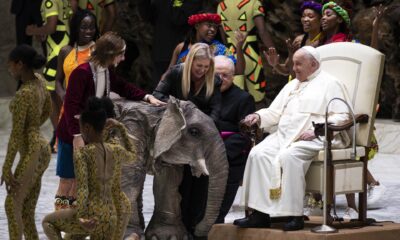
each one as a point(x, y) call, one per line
point(65, 50)
point(179, 47)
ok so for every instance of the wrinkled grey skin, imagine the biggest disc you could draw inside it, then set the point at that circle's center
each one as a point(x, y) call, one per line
point(166, 138)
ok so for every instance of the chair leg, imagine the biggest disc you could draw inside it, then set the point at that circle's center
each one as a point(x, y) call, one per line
point(362, 196)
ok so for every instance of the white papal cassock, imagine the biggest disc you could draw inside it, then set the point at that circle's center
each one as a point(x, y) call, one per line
point(291, 113)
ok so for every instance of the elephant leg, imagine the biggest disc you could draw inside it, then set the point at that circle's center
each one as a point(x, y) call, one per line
point(132, 182)
point(166, 221)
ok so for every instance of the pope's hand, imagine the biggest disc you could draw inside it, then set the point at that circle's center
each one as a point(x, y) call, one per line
point(307, 135)
point(251, 119)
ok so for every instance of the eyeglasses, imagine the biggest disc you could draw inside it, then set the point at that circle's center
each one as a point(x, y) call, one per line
point(225, 75)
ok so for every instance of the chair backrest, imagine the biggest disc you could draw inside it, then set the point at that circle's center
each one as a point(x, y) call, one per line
point(360, 68)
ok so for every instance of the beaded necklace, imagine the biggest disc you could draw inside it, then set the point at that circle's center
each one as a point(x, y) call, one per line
point(81, 48)
point(316, 38)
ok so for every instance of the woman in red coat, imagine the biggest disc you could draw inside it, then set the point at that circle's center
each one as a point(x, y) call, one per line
point(94, 78)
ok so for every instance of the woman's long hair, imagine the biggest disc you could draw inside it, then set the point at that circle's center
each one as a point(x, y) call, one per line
point(198, 51)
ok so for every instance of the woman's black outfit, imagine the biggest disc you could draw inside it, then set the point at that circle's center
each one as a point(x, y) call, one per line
point(192, 189)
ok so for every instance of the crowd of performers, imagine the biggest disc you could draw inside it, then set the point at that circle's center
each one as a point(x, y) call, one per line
point(223, 79)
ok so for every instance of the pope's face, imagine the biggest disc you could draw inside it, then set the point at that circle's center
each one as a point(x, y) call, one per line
point(303, 66)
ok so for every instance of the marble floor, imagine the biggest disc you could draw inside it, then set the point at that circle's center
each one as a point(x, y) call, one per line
point(385, 167)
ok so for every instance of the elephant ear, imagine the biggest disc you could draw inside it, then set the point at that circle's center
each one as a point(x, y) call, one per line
point(170, 128)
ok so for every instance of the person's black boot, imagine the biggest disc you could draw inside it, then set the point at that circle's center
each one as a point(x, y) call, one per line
point(255, 220)
point(296, 223)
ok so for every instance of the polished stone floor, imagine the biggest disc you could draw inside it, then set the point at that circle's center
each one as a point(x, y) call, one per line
point(385, 167)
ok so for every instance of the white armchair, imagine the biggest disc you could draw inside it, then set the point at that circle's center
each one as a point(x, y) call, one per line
point(360, 68)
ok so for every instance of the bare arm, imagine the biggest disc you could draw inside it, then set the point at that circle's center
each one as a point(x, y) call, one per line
point(292, 48)
point(273, 59)
point(47, 29)
point(240, 62)
point(262, 32)
point(379, 13)
point(110, 12)
point(60, 75)
point(74, 5)
point(223, 35)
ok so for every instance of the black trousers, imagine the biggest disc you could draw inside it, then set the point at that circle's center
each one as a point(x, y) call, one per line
point(232, 186)
point(237, 150)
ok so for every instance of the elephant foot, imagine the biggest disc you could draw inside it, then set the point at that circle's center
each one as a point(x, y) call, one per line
point(164, 231)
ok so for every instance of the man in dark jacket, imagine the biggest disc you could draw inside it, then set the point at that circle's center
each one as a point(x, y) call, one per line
point(235, 105)
point(26, 12)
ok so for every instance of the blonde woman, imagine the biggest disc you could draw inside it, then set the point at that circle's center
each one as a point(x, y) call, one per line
point(194, 80)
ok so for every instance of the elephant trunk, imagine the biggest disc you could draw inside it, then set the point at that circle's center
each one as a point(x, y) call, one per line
point(217, 166)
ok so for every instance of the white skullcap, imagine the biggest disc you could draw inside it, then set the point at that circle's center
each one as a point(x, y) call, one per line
point(313, 52)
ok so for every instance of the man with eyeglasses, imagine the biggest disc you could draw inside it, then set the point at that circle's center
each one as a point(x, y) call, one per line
point(235, 105)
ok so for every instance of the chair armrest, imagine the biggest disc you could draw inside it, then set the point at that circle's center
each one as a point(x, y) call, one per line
point(360, 118)
point(319, 128)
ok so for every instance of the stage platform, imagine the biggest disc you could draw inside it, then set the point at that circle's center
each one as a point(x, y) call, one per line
point(347, 231)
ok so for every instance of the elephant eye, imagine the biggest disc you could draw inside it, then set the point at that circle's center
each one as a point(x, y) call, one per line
point(194, 132)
